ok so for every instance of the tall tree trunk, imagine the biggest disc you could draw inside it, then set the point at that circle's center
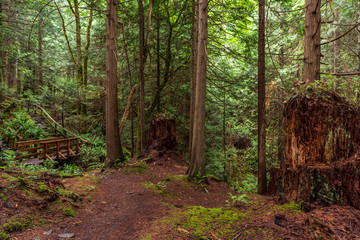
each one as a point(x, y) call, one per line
point(113, 143)
point(143, 49)
point(158, 70)
point(312, 41)
point(87, 46)
point(131, 114)
point(40, 52)
point(197, 161)
point(261, 102)
point(193, 70)
point(141, 124)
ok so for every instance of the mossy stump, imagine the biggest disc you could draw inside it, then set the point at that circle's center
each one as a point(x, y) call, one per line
point(321, 162)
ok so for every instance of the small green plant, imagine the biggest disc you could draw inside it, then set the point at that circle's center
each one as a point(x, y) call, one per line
point(69, 212)
point(243, 198)
point(8, 158)
point(3, 235)
point(71, 169)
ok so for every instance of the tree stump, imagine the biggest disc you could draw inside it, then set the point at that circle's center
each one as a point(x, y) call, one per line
point(162, 145)
point(322, 161)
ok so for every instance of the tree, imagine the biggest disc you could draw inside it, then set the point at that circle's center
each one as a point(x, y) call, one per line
point(143, 50)
point(312, 41)
point(261, 102)
point(197, 160)
point(113, 143)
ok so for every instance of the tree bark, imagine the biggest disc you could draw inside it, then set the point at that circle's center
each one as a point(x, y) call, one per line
point(193, 70)
point(261, 102)
point(312, 52)
point(113, 143)
point(40, 52)
point(141, 123)
point(197, 161)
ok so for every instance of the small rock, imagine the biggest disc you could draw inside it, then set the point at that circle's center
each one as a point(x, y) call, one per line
point(36, 238)
point(67, 235)
point(9, 204)
point(48, 232)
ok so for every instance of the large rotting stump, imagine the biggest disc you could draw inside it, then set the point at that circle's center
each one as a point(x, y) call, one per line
point(162, 145)
point(322, 162)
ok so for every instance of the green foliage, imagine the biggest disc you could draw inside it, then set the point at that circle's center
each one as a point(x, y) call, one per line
point(92, 156)
point(3, 235)
point(243, 198)
point(19, 126)
point(70, 212)
point(8, 158)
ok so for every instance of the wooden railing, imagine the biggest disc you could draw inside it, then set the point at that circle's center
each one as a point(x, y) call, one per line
point(50, 148)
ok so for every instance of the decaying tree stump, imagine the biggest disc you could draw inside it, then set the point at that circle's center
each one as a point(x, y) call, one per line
point(162, 145)
point(322, 160)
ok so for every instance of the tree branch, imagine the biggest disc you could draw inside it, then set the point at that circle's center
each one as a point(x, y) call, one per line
point(333, 40)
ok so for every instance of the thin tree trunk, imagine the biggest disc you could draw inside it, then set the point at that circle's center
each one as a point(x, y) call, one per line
point(261, 102)
point(312, 41)
point(141, 123)
point(86, 49)
point(197, 161)
point(143, 49)
point(40, 58)
point(113, 143)
point(158, 70)
point(193, 70)
point(131, 113)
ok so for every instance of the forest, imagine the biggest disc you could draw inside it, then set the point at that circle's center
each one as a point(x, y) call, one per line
point(193, 119)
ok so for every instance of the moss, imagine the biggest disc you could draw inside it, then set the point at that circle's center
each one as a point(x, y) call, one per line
point(43, 188)
point(68, 194)
point(138, 167)
point(8, 177)
point(159, 188)
point(3, 197)
point(292, 207)
point(201, 221)
point(70, 212)
point(3, 235)
point(13, 226)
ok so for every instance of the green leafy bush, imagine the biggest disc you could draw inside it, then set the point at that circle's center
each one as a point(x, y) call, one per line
point(20, 127)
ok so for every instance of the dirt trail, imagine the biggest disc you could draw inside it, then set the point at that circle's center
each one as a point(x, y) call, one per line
point(121, 209)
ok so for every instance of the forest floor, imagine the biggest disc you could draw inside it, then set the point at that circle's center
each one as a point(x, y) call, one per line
point(140, 201)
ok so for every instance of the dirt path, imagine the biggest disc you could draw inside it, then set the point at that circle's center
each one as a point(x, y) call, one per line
point(121, 209)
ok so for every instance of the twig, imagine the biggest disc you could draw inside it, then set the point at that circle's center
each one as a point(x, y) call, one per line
point(240, 233)
point(340, 36)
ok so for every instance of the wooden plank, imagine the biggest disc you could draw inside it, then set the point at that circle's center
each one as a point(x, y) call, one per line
point(62, 155)
point(71, 152)
point(31, 142)
point(48, 157)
